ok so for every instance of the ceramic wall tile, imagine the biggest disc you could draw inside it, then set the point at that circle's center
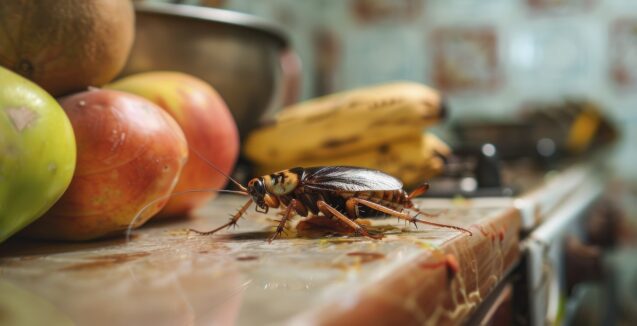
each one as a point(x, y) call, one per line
point(465, 58)
point(623, 54)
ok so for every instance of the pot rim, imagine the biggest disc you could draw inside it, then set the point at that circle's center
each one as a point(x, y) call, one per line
point(217, 16)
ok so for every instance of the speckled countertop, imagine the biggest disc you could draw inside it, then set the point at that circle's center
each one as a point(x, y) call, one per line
point(165, 275)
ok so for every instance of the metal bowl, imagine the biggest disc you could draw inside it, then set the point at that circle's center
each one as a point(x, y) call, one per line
point(238, 54)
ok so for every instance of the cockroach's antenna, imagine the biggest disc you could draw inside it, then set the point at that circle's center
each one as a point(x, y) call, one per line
point(132, 223)
point(244, 189)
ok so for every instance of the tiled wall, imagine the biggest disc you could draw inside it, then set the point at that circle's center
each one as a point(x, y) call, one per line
point(489, 56)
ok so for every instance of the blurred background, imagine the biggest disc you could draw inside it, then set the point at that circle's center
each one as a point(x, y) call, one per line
point(491, 58)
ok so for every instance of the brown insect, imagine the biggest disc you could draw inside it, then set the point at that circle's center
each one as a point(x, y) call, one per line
point(340, 192)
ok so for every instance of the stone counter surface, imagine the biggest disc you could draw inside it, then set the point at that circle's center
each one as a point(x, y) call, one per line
point(167, 276)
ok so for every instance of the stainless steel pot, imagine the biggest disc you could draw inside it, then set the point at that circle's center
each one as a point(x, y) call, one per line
point(238, 54)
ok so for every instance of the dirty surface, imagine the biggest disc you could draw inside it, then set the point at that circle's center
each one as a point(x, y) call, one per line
point(167, 276)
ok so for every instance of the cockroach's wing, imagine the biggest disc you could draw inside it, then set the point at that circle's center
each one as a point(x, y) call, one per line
point(345, 178)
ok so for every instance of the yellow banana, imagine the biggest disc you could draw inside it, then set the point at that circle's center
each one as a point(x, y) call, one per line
point(413, 160)
point(345, 123)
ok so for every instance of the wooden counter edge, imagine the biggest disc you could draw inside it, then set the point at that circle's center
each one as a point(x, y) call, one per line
point(442, 286)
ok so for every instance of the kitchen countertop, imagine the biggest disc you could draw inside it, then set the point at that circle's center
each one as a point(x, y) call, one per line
point(165, 275)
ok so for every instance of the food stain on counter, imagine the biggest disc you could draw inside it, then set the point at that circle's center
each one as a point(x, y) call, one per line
point(366, 257)
point(247, 258)
point(105, 261)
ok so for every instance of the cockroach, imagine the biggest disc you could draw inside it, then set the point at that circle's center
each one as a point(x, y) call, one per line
point(343, 193)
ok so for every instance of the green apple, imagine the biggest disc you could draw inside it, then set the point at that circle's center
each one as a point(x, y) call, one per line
point(37, 152)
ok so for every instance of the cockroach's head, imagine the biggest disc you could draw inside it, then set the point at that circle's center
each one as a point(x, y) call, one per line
point(256, 190)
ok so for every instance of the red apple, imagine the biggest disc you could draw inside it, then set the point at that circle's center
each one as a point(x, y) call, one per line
point(207, 123)
point(129, 153)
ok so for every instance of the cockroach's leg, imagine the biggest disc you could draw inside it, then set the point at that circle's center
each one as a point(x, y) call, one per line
point(418, 191)
point(328, 210)
point(415, 193)
point(401, 215)
point(232, 222)
point(288, 213)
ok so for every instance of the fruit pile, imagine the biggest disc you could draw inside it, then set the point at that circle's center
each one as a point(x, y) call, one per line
point(378, 127)
point(79, 162)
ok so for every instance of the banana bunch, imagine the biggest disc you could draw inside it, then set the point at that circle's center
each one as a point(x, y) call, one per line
point(379, 127)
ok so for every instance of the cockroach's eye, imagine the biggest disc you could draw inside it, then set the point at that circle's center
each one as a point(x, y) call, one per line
point(256, 188)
